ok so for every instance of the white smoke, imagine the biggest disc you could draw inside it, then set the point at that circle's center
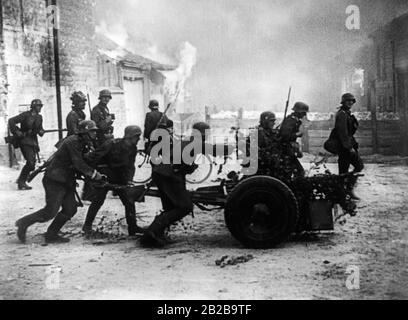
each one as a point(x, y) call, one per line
point(175, 85)
point(116, 32)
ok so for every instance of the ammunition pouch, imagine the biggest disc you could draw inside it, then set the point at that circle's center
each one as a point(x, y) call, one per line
point(14, 141)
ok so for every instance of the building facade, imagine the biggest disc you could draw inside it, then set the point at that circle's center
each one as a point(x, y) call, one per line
point(88, 62)
point(27, 58)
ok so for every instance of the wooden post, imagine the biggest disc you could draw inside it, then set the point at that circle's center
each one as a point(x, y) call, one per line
point(374, 122)
point(374, 130)
point(306, 138)
point(57, 70)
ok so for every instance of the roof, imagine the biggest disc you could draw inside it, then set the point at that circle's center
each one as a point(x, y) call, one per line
point(116, 52)
point(394, 26)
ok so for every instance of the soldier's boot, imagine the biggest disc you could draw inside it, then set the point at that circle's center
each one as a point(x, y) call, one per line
point(52, 235)
point(133, 228)
point(154, 236)
point(22, 180)
point(24, 223)
point(90, 218)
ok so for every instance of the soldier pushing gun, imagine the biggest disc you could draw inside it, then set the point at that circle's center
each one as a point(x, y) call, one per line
point(60, 184)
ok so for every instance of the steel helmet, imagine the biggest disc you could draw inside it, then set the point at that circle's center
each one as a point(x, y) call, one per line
point(105, 93)
point(132, 131)
point(78, 96)
point(154, 104)
point(36, 103)
point(202, 127)
point(87, 126)
point(301, 107)
point(267, 116)
point(348, 97)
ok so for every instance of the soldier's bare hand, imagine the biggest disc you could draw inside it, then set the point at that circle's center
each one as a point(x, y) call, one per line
point(99, 177)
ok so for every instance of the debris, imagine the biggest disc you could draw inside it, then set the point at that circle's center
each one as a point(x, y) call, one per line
point(326, 262)
point(233, 261)
point(11, 232)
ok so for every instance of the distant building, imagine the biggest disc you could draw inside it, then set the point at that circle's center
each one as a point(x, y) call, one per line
point(378, 75)
point(27, 59)
point(88, 62)
point(133, 79)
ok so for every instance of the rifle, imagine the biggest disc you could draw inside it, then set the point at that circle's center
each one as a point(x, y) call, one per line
point(13, 140)
point(287, 103)
point(134, 193)
point(148, 150)
point(89, 105)
point(55, 130)
point(40, 169)
point(286, 108)
point(150, 185)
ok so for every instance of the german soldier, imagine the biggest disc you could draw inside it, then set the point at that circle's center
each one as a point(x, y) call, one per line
point(77, 114)
point(266, 130)
point(117, 157)
point(290, 132)
point(170, 179)
point(60, 182)
point(152, 119)
point(103, 118)
point(31, 126)
point(346, 127)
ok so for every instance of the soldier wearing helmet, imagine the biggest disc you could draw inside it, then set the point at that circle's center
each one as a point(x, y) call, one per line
point(60, 183)
point(267, 134)
point(103, 118)
point(77, 114)
point(30, 127)
point(116, 158)
point(152, 120)
point(170, 179)
point(290, 132)
point(345, 128)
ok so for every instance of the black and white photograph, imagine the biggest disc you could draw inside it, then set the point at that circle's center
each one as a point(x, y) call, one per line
point(203, 150)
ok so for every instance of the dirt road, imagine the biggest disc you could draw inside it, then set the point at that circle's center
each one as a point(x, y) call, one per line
point(375, 243)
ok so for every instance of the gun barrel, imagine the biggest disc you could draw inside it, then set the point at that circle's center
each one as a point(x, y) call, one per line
point(55, 130)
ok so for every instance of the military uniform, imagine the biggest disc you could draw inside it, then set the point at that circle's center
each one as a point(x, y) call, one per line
point(73, 120)
point(266, 137)
point(177, 203)
point(59, 183)
point(152, 121)
point(31, 125)
point(289, 132)
point(346, 127)
point(100, 116)
point(116, 160)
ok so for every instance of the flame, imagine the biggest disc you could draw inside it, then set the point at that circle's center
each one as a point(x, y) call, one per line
point(176, 80)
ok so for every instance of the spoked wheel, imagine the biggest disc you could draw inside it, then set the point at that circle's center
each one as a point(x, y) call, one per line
point(261, 212)
point(143, 167)
point(203, 172)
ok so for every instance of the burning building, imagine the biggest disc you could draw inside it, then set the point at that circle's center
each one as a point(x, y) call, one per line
point(30, 32)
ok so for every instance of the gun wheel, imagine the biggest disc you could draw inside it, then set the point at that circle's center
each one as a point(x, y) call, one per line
point(143, 168)
point(261, 212)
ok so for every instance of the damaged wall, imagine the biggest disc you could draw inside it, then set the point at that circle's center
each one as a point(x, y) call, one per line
point(28, 56)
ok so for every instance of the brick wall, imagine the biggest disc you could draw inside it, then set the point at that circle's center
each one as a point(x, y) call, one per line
point(28, 53)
